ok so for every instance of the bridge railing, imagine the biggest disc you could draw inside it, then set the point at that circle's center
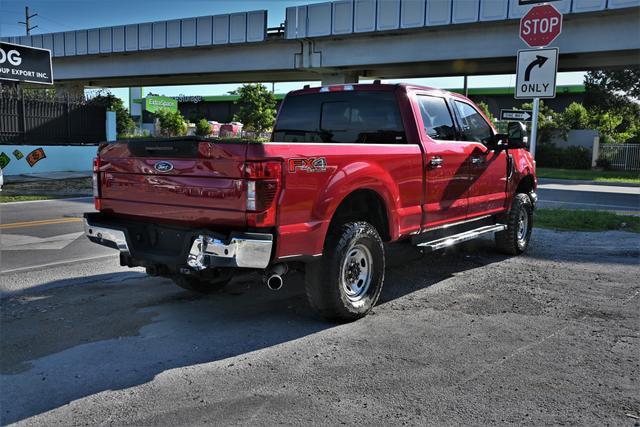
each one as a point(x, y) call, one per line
point(360, 16)
point(340, 17)
point(242, 27)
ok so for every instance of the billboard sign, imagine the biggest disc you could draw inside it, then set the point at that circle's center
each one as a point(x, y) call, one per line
point(154, 104)
point(25, 64)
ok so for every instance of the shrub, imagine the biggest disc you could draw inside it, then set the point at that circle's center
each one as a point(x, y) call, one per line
point(203, 128)
point(550, 156)
point(257, 107)
point(575, 116)
point(171, 123)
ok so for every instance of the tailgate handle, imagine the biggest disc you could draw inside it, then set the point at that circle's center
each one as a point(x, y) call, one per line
point(163, 148)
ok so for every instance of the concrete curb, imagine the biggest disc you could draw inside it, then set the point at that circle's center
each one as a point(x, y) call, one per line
point(585, 182)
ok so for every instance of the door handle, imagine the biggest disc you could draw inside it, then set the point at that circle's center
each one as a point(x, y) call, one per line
point(436, 162)
point(477, 160)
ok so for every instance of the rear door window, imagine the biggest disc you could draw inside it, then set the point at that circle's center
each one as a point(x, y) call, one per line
point(436, 118)
point(474, 126)
point(349, 117)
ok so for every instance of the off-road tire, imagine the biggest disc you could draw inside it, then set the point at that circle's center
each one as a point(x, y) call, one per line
point(507, 241)
point(199, 285)
point(324, 278)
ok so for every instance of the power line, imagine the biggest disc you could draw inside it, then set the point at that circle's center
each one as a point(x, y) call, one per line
point(53, 21)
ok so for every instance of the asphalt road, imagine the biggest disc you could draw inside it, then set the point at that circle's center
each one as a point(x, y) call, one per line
point(577, 195)
point(460, 337)
point(43, 234)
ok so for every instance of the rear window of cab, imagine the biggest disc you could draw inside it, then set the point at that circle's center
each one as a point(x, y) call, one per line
point(348, 117)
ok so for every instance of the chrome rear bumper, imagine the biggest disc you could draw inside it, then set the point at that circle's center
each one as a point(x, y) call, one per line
point(107, 236)
point(243, 250)
point(251, 250)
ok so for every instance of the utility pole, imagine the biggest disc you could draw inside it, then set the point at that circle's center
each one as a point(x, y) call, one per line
point(27, 18)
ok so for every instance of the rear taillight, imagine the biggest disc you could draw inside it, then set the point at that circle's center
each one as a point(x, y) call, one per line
point(263, 187)
point(96, 183)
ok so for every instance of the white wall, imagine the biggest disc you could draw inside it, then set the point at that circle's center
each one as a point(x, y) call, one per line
point(58, 159)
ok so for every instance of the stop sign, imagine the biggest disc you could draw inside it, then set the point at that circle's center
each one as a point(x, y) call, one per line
point(541, 25)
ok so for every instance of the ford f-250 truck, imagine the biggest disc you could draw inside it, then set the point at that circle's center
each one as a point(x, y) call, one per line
point(348, 168)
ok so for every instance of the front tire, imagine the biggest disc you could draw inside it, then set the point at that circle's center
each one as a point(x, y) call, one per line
point(346, 283)
point(515, 239)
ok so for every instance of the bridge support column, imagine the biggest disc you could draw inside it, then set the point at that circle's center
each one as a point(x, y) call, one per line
point(339, 78)
point(70, 90)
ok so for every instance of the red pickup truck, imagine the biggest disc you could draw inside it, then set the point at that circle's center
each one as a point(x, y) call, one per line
point(348, 168)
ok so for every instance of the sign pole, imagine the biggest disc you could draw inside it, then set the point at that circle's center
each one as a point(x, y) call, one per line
point(534, 127)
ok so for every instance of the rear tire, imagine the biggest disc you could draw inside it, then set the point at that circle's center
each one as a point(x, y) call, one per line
point(346, 283)
point(199, 285)
point(515, 239)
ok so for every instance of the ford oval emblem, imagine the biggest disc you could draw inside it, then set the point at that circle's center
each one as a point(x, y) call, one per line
point(163, 166)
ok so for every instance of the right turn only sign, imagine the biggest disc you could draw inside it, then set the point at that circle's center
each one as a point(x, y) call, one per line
point(536, 75)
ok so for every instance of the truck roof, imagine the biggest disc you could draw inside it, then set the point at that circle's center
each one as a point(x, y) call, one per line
point(372, 87)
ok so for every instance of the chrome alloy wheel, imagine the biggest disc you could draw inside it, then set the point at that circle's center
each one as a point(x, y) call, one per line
point(357, 272)
point(523, 227)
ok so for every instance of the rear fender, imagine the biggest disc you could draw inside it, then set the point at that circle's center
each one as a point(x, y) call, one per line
point(355, 176)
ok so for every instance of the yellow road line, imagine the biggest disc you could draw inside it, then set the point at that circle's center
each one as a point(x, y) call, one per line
point(26, 224)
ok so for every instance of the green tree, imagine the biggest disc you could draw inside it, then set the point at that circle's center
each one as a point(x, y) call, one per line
point(611, 88)
point(613, 100)
point(575, 116)
point(124, 122)
point(257, 107)
point(171, 123)
point(203, 128)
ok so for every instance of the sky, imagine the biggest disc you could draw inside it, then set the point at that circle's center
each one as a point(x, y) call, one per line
point(65, 15)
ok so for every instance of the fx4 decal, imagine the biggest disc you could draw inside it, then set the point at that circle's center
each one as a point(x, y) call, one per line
point(311, 164)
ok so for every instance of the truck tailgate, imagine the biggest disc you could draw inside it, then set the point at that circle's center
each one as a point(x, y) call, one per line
point(180, 181)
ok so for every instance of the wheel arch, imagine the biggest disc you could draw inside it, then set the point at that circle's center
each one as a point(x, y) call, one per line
point(363, 204)
point(526, 184)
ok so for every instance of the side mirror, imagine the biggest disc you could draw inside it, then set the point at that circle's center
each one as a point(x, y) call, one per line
point(517, 135)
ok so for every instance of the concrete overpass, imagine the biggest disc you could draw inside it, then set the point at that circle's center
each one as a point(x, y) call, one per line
point(337, 42)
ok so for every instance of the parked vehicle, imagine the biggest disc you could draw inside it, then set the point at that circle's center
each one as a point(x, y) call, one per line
point(348, 168)
point(215, 128)
point(232, 129)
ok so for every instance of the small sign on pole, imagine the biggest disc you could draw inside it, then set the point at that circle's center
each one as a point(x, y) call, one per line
point(518, 115)
point(536, 73)
point(25, 64)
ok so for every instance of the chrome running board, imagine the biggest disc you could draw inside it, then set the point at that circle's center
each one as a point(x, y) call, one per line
point(454, 239)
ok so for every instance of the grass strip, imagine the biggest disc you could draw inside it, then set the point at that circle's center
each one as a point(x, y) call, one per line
point(584, 220)
point(4, 198)
point(630, 177)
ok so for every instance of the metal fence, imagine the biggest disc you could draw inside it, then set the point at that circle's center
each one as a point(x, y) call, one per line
point(25, 119)
point(621, 156)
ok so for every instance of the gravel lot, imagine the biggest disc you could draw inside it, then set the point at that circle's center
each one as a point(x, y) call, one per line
point(460, 337)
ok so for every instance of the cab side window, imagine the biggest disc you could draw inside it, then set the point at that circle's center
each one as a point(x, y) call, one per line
point(474, 126)
point(436, 117)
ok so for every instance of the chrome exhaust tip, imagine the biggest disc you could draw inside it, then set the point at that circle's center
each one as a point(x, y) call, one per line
point(273, 277)
point(275, 282)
